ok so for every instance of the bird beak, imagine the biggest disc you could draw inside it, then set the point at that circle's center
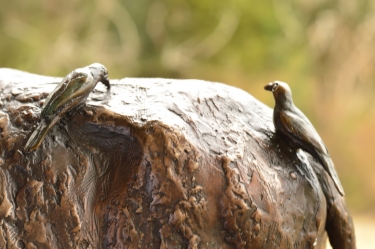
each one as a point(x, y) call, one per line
point(269, 87)
point(100, 73)
point(105, 81)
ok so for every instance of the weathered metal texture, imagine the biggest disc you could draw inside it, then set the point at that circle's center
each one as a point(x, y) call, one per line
point(158, 163)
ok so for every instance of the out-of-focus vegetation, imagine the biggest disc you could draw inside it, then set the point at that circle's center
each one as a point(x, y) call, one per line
point(324, 49)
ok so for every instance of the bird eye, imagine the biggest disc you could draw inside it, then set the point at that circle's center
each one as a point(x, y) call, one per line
point(275, 85)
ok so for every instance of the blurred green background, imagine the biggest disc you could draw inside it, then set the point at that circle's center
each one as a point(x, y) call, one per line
point(325, 50)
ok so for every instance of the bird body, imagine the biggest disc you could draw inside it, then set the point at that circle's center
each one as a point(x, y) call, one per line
point(68, 95)
point(295, 127)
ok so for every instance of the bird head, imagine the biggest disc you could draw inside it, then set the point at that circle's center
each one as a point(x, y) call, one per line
point(281, 91)
point(99, 73)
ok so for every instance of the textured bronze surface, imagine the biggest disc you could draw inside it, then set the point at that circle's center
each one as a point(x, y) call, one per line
point(158, 164)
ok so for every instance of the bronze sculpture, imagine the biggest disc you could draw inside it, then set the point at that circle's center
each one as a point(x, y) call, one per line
point(68, 95)
point(162, 163)
point(294, 126)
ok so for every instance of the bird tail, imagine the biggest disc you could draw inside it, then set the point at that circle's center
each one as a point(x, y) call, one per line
point(38, 135)
point(329, 166)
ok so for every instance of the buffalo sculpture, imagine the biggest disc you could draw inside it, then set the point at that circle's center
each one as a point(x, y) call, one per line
point(159, 163)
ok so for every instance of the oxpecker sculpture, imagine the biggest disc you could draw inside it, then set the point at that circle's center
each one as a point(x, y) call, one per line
point(70, 94)
point(294, 126)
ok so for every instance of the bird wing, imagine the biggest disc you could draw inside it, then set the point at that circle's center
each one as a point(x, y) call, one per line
point(66, 91)
point(299, 126)
point(51, 99)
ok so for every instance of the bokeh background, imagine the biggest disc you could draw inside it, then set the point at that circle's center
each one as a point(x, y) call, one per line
point(324, 49)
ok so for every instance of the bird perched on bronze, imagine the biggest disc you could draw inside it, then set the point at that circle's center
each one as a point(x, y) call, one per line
point(71, 93)
point(294, 126)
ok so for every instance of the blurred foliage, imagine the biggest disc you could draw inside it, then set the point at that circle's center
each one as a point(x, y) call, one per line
point(324, 49)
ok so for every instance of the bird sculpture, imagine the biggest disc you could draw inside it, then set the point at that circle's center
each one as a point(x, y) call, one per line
point(70, 94)
point(296, 129)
